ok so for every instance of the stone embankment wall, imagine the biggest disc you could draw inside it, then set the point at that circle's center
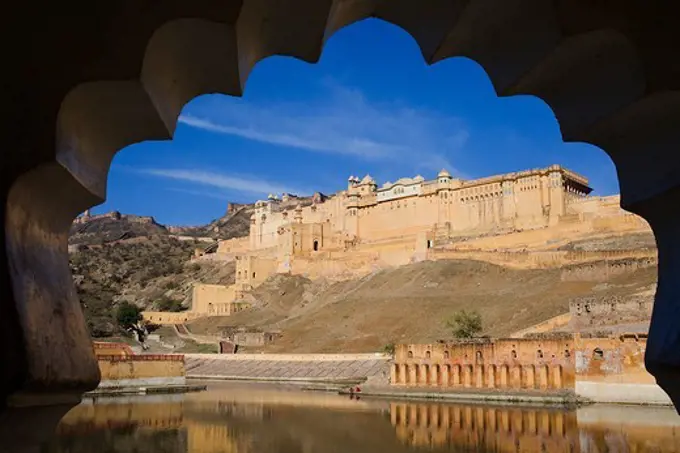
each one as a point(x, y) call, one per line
point(542, 259)
point(288, 367)
point(170, 318)
point(604, 270)
point(119, 367)
point(609, 310)
point(518, 364)
point(602, 369)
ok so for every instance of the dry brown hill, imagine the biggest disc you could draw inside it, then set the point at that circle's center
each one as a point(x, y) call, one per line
point(410, 304)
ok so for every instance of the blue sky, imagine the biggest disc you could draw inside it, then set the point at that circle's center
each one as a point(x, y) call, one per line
point(371, 105)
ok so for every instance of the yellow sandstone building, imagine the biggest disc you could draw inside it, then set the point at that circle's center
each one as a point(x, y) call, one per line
point(367, 227)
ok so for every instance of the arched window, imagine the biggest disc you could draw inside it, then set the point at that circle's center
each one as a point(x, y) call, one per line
point(410, 354)
point(316, 246)
point(446, 354)
point(428, 354)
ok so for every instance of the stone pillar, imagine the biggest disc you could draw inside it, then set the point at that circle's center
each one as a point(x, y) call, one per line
point(467, 376)
point(403, 374)
point(543, 377)
point(529, 376)
point(435, 371)
point(446, 375)
point(491, 376)
point(516, 381)
point(455, 376)
point(557, 377)
point(504, 376)
point(479, 376)
point(413, 374)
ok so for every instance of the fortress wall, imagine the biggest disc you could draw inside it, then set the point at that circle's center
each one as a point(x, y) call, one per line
point(613, 366)
point(604, 270)
point(102, 348)
point(486, 363)
point(169, 318)
point(546, 259)
point(148, 369)
point(609, 310)
point(234, 245)
point(401, 216)
point(345, 268)
point(612, 360)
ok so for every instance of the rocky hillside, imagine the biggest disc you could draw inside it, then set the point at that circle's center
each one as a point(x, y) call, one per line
point(410, 304)
point(152, 273)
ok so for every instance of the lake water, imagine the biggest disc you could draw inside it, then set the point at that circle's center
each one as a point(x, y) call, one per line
point(250, 418)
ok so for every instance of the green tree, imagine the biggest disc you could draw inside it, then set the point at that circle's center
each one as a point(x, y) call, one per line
point(389, 348)
point(464, 324)
point(128, 314)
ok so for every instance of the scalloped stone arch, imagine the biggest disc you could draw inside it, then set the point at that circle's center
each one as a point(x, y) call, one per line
point(99, 78)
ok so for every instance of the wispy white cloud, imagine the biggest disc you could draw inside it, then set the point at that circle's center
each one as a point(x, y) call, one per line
point(222, 182)
point(216, 194)
point(344, 122)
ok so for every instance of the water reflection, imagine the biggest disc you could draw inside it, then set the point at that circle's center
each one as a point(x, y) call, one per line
point(253, 418)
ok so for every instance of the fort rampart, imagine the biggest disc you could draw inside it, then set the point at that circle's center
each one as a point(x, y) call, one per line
point(119, 367)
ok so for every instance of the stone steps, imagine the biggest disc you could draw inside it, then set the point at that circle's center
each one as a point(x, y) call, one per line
point(287, 369)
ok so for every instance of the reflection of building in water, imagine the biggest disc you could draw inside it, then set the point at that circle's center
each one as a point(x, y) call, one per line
point(91, 417)
point(485, 428)
point(203, 435)
point(214, 438)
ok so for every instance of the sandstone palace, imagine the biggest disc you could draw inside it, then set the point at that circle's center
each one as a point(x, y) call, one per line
point(367, 227)
point(443, 206)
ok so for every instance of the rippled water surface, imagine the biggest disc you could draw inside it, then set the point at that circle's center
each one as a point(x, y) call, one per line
point(264, 419)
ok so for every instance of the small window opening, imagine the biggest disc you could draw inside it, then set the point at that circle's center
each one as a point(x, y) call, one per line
point(598, 354)
point(316, 246)
point(410, 354)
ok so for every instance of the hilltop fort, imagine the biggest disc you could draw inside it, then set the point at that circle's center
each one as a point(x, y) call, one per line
point(366, 227)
